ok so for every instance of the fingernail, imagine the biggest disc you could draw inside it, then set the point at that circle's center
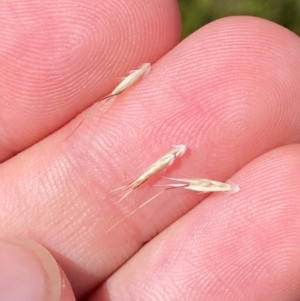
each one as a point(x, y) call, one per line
point(28, 272)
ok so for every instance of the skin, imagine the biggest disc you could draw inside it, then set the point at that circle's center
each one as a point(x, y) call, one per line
point(230, 92)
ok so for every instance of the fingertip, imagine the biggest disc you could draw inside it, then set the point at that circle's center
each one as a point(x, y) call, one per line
point(62, 56)
point(30, 273)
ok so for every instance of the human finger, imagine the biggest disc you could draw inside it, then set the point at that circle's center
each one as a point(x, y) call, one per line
point(61, 56)
point(242, 246)
point(30, 273)
point(62, 191)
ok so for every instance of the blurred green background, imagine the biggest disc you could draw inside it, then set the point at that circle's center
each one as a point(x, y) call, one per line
point(196, 13)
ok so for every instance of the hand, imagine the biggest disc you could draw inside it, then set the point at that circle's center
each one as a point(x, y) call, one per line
point(230, 92)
